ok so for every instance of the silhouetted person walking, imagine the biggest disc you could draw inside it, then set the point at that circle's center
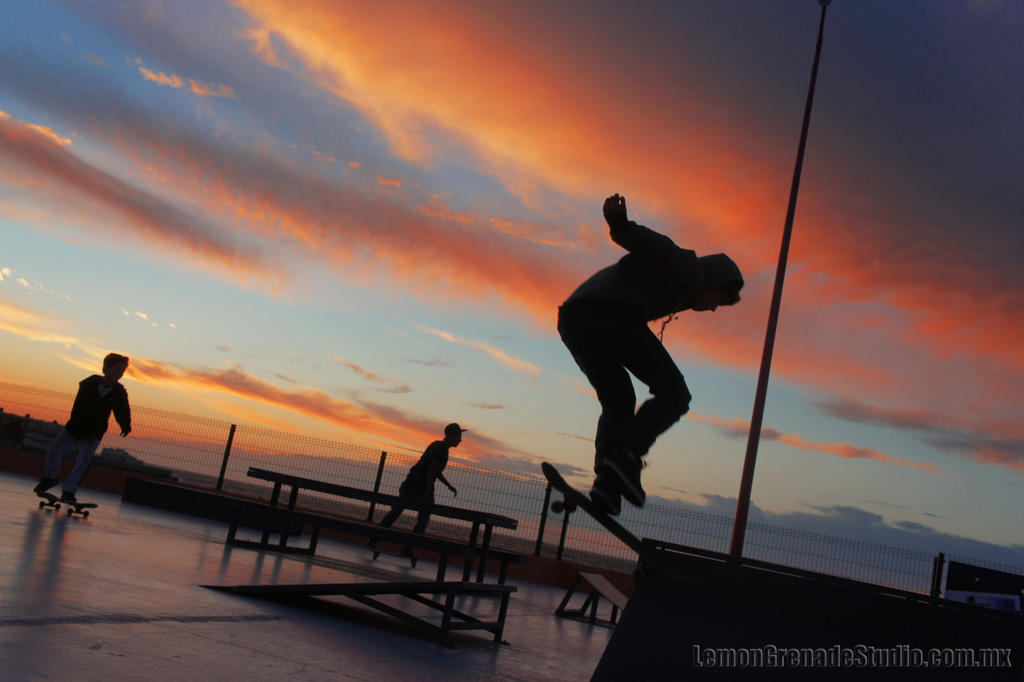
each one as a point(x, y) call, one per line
point(419, 482)
point(604, 324)
point(97, 397)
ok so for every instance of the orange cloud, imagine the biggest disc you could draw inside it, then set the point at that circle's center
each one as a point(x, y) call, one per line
point(488, 406)
point(48, 132)
point(496, 354)
point(393, 386)
point(525, 113)
point(847, 451)
point(534, 119)
point(365, 420)
point(260, 43)
point(738, 428)
point(33, 325)
point(211, 89)
point(197, 87)
point(1000, 443)
point(161, 78)
point(99, 195)
point(45, 131)
point(370, 239)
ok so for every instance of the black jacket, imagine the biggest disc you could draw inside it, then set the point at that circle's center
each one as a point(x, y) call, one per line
point(656, 277)
point(90, 413)
point(417, 482)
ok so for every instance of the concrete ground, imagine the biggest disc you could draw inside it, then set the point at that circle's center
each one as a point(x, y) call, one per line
point(117, 596)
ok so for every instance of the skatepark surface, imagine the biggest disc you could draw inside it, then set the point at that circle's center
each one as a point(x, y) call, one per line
point(118, 596)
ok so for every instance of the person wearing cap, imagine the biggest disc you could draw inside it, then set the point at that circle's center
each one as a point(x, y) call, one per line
point(604, 324)
point(419, 482)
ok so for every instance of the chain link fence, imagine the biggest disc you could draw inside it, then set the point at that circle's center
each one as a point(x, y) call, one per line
point(216, 455)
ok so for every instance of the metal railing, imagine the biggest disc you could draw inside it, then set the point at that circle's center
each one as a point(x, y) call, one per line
point(215, 455)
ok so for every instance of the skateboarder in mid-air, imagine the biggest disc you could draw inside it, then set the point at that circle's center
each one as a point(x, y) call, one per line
point(604, 324)
point(97, 397)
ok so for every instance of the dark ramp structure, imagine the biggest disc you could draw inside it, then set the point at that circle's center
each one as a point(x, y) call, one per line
point(751, 620)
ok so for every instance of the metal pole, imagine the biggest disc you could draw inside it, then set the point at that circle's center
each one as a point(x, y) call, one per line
point(376, 483)
point(938, 563)
point(739, 528)
point(224, 461)
point(543, 521)
point(565, 528)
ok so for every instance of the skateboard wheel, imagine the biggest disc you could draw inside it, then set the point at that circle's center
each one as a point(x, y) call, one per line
point(85, 515)
point(42, 504)
point(570, 506)
point(557, 506)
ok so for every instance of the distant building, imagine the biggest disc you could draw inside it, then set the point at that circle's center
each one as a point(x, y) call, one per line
point(26, 433)
point(35, 435)
point(12, 429)
point(117, 456)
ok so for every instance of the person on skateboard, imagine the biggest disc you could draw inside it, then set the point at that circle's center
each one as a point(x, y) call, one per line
point(604, 324)
point(97, 397)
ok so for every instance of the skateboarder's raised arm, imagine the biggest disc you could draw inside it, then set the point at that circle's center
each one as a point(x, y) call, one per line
point(631, 236)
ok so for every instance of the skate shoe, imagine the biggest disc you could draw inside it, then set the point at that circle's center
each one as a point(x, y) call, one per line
point(626, 467)
point(68, 497)
point(45, 484)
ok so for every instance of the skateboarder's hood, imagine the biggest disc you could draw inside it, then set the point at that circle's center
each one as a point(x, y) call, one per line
point(719, 270)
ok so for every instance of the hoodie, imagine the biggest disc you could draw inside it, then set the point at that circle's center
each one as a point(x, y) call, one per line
point(91, 411)
point(656, 277)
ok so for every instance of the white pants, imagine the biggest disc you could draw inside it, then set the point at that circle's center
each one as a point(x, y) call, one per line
point(65, 442)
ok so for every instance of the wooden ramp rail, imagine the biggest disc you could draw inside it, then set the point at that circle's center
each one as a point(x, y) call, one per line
point(287, 523)
point(482, 523)
point(587, 612)
point(366, 593)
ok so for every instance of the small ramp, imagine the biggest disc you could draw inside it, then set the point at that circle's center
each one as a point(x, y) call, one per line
point(596, 587)
point(752, 620)
point(439, 597)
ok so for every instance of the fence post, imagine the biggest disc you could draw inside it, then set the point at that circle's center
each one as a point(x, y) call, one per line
point(376, 483)
point(568, 507)
point(937, 564)
point(224, 462)
point(543, 521)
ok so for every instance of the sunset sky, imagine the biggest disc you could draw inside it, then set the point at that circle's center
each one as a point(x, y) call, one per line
point(357, 220)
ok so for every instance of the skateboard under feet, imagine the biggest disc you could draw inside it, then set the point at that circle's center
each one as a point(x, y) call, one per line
point(574, 498)
point(51, 501)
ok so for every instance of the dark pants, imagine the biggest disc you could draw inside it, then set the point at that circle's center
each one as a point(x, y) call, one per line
point(609, 344)
point(396, 511)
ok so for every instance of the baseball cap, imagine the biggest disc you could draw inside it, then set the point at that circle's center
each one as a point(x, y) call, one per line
point(453, 428)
